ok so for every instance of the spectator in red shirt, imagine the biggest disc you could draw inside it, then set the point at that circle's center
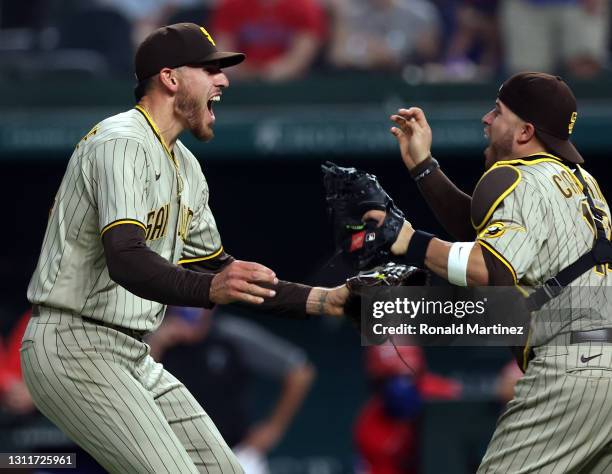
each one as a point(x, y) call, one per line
point(387, 428)
point(281, 38)
point(14, 395)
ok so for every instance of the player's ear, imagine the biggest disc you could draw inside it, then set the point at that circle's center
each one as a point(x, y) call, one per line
point(526, 132)
point(169, 79)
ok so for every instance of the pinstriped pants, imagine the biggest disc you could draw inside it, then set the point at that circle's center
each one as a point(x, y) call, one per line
point(560, 420)
point(103, 389)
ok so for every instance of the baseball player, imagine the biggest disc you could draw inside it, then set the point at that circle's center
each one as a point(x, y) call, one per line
point(130, 232)
point(537, 219)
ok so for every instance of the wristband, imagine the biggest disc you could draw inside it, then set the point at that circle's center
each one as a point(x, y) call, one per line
point(458, 261)
point(417, 248)
point(428, 170)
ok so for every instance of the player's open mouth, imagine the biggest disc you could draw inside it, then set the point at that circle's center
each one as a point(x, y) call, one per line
point(209, 104)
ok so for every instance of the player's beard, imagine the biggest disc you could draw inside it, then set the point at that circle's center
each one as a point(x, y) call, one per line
point(191, 109)
point(499, 149)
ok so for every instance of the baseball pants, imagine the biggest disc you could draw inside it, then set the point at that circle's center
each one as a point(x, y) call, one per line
point(104, 390)
point(560, 419)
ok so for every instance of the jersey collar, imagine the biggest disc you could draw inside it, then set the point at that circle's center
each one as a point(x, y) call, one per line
point(157, 133)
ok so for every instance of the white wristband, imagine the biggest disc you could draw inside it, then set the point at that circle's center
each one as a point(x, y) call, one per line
point(458, 261)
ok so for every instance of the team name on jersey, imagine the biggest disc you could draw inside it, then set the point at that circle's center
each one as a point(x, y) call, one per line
point(185, 221)
point(157, 222)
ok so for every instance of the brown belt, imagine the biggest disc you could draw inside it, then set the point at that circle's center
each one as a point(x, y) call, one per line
point(134, 333)
point(596, 335)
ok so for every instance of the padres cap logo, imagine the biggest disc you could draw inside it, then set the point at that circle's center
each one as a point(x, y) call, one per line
point(572, 121)
point(207, 34)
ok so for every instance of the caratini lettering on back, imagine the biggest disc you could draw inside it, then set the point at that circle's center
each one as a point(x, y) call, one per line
point(568, 187)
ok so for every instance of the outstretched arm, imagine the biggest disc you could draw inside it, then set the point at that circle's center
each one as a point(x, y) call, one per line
point(147, 274)
point(292, 300)
point(450, 205)
point(436, 257)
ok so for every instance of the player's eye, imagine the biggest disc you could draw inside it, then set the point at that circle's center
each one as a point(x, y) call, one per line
point(212, 68)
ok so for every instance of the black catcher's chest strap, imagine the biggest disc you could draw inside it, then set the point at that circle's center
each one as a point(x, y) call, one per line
point(601, 253)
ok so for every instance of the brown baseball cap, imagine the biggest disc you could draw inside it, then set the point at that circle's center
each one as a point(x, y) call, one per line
point(549, 105)
point(178, 45)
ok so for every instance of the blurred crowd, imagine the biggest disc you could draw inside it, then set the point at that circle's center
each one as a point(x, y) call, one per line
point(422, 40)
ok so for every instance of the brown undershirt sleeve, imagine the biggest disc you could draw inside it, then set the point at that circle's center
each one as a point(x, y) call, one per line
point(450, 205)
point(499, 275)
point(289, 302)
point(290, 299)
point(145, 273)
point(211, 265)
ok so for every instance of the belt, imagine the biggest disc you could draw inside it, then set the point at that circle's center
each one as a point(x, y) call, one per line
point(135, 333)
point(596, 335)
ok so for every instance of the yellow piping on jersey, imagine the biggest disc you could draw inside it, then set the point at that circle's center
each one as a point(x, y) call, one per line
point(170, 154)
point(503, 196)
point(526, 350)
point(521, 290)
point(553, 159)
point(500, 258)
point(120, 222)
point(201, 259)
point(527, 346)
point(501, 230)
point(157, 133)
point(542, 153)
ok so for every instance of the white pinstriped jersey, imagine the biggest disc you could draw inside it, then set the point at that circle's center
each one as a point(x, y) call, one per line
point(121, 172)
point(540, 227)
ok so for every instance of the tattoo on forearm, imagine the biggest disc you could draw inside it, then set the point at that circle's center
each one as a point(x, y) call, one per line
point(322, 300)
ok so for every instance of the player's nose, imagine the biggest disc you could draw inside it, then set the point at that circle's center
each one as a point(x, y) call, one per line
point(221, 80)
point(486, 118)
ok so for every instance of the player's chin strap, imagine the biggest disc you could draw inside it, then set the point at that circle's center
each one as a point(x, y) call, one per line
point(601, 253)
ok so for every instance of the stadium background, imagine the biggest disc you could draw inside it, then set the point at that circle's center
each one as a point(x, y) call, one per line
point(267, 196)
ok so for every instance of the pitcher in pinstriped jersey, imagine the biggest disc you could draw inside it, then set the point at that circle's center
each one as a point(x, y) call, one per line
point(132, 231)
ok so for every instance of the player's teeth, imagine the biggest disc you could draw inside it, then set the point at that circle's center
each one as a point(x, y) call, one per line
point(216, 98)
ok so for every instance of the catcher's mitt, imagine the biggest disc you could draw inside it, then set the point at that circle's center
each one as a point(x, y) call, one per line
point(388, 276)
point(351, 193)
